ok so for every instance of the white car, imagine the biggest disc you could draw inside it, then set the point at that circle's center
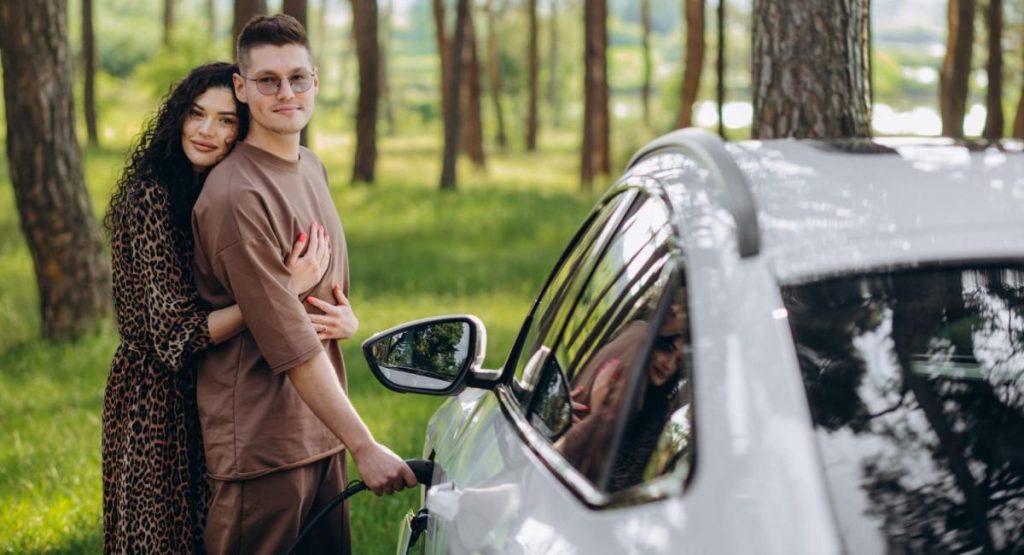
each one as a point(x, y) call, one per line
point(760, 347)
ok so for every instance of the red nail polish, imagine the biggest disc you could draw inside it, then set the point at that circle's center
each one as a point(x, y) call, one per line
point(302, 237)
point(309, 299)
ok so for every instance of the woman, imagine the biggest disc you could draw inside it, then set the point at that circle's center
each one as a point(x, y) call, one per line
point(154, 476)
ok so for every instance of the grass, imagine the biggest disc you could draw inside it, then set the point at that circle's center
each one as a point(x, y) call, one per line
point(414, 252)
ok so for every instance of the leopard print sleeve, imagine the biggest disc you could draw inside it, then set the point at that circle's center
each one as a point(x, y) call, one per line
point(176, 326)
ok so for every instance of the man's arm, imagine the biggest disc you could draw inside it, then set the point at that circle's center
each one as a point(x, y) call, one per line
point(381, 470)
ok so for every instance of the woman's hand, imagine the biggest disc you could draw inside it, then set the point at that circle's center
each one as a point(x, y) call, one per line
point(606, 385)
point(338, 321)
point(307, 264)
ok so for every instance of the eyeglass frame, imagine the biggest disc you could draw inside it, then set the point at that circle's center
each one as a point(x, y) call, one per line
point(278, 80)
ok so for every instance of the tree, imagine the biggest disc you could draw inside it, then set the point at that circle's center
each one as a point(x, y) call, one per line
point(994, 98)
point(534, 69)
point(364, 27)
point(472, 135)
point(244, 11)
point(299, 9)
point(956, 66)
point(596, 156)
point(553, 97)
point(720, 69)
point(645, 39)
point(383, 64)
point(89, 64)
point(810, 69)
point(694, 10)
point(451, 98)
point(72, 273)
point(168, 21)
point(494, 74)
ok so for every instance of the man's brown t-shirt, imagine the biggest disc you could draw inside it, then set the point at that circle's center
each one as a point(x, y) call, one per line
point(252, 208)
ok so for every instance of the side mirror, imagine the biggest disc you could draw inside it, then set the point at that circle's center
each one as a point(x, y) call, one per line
point(433, 356)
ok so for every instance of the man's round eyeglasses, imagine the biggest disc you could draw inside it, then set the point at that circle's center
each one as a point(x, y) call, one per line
point(271, 84)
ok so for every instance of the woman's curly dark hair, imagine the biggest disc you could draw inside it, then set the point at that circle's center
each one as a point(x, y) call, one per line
point(157, 158)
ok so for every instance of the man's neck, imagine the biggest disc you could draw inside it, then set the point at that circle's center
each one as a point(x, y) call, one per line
point(283, 146)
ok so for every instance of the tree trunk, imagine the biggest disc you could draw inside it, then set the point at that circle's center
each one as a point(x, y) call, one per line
point(299, 9)
point(244, 11)
point(494, 74)
point(72, 273)
point(720, 69)
point(596, 159)
point(811, 69)
point(472, 135)
point(168, 21)
point(645, 39)
point(533, 70)
point(451, 111)
point(385, 88)
point(211, 20)
point(444, 53)
point(364, 27)
point(694, 61)
point(553, 98)
point(89, 63)
point(994, 99)
point(956, 67)
point(1018, 121)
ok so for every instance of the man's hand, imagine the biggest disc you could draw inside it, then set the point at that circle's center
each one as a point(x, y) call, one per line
point(381, 470)
point(337, 321)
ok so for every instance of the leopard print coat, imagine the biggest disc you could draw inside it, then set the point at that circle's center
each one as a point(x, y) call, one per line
point(155, 493)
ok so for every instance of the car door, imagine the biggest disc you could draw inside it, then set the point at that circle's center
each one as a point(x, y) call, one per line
point(595, 427)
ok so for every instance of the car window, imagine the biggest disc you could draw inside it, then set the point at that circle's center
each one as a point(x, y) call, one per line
point(915, 381)
point(560, 289)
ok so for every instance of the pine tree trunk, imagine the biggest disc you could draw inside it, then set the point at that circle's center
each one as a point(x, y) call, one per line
point(385, 87)
point(72, 273)
point(645, 39)
point(299, 9)
point(533, 68)
point(244, 11)
point(694, 61)
point(89, 63)
point(168, 21)
point(364, 27)
point(472, 134)
point(553, 98)
point(443, 52)
point(451, 111)
point(596, 125)
point(956, 67)
point(994, 99)
point(811, 69)
point(494, 74)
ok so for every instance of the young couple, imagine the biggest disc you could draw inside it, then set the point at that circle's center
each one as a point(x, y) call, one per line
point(225, 416)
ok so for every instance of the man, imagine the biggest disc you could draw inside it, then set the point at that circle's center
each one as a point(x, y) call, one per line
point(272, 400)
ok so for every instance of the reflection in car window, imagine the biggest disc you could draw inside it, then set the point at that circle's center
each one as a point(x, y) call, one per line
point(915, 381)
point(563, 283)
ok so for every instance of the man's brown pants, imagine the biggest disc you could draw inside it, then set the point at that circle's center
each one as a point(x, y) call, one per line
point(265, 514)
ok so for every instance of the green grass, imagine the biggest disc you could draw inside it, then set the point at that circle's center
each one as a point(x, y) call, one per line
point(414, 252)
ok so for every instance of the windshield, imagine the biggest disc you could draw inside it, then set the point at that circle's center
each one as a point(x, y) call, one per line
point(916, 387)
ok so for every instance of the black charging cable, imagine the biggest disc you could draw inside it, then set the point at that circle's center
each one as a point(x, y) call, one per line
point(422, 468)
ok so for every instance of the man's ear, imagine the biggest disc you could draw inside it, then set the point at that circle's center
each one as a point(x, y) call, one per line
point(239, 83)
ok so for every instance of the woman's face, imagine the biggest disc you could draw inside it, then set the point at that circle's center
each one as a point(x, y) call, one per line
point(211, 126)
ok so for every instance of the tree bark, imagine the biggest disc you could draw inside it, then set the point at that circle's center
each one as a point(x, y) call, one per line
point(554, 101)
point(645, 39)
point(472, 135)
point(994, 98)
point(596, 158)
point(694, 61)
point(89, 63)
point(956, 67)
point(299, 9)
point(168, 21)
point(364, 27)
point(494, 74)
point(533, 61)
point(443, 52)
point(811, 69)
point(451, 111)
point(63, 236)
point(244, 11)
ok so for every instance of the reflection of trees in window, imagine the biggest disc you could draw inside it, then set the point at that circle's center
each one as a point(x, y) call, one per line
point(926, 370)
point(432, 347)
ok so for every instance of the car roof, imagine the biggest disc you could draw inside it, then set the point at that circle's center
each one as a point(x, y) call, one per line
point(826, 208)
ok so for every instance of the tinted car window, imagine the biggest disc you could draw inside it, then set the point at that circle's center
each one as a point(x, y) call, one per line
point(915, 381)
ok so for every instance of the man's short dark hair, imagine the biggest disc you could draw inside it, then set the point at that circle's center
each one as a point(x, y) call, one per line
point(274, 30)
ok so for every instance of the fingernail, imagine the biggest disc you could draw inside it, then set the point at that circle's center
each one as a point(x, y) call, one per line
point(302, 237)
point(335, 286)
point(309, 299)
point(584, 407)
